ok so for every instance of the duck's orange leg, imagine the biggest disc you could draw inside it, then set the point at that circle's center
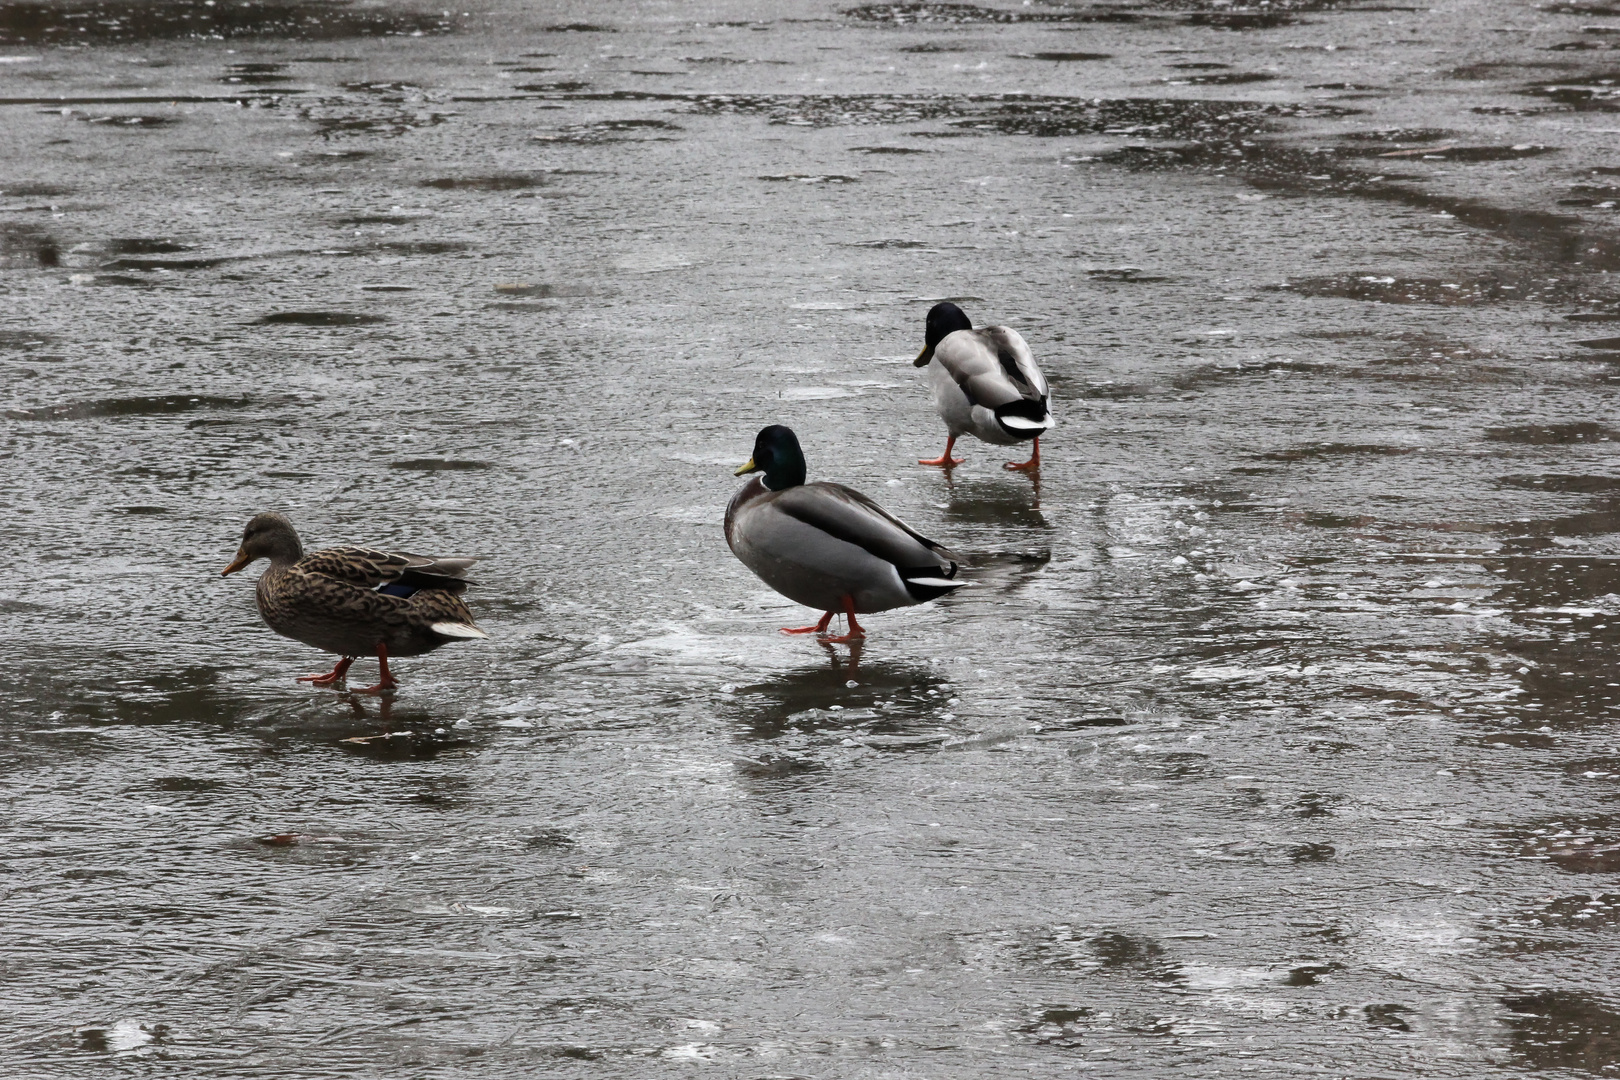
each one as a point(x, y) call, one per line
point(1032, 464)
point(944, 461)
point(385, 680)
point(816, 629)
point(334, 676)
point(855, 631)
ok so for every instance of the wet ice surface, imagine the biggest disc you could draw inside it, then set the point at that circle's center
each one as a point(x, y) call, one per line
point(1273, 738)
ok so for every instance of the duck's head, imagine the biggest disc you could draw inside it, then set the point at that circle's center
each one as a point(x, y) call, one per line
point(777, 455)
point(944, 320)
point(267, 536)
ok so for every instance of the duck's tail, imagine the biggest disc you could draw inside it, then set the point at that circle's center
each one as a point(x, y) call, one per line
point(457, 630)
point(930, 582)
point(1024, 419)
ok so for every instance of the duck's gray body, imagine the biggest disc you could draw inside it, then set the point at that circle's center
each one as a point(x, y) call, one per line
point(985, 383)
point(328, 599)
point(818, 543)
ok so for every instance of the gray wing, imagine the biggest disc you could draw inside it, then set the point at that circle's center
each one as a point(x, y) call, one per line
point(993, 366)
point(847, 515)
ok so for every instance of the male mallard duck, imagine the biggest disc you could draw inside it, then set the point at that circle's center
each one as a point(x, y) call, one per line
point(354, 601)
point(984, 382)
point(826, 546)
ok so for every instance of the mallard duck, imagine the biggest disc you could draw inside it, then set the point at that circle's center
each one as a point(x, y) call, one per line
point(825, 546)
point(985, 382)
point(355, 601)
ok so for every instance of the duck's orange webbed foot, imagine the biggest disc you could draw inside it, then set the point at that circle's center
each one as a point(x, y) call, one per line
point(944, 461)
point(816, 629)
point(1032, 465)
point(386, 681)
point(332, 677)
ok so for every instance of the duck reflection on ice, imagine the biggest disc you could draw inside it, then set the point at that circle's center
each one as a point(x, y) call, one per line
point(995, 502)
point(841, 697)
point(385, 710)
point(412, 735)
point(1002, 573)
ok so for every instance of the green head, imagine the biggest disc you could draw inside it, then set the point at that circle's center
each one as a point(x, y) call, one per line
point(777, 455)
point(944, 319)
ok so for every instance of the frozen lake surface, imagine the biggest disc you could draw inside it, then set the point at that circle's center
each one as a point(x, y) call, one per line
point(1272, 740)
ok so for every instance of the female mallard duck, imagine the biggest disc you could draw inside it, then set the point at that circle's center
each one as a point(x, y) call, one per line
point(984, 382)
point(825, 546)
point(354, 601)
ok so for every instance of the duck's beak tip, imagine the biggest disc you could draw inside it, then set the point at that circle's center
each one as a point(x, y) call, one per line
point(747, 467)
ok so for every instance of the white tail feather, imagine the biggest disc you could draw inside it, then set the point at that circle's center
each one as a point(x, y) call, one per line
point(1021, 423)
point(457, 630)
point(936, 582)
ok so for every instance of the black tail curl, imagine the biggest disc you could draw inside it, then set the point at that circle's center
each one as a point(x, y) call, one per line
point(926, 583)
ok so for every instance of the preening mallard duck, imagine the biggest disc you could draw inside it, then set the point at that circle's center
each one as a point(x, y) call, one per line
point(355, 601)
point(985, 382)
point(825, 546)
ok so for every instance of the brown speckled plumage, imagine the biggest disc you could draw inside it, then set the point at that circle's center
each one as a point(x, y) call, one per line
point(329, 598)
point(326, 600)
